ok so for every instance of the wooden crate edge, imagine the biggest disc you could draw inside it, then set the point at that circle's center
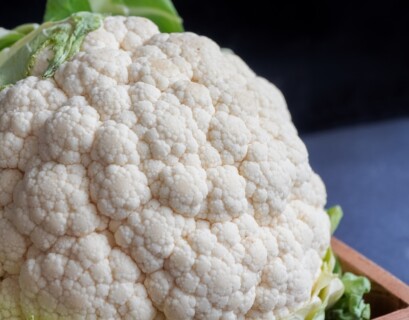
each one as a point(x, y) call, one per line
point(397, 315)
point(369, 269)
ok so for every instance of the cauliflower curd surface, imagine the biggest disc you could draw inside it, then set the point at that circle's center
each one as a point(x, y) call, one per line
point(154, 176)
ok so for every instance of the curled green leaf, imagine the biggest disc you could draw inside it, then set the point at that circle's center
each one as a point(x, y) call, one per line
point(26, 28)
point(162, 12)
point(60, 39)
point(352, 305)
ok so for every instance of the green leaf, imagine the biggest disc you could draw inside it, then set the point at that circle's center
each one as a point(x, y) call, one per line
point(60, 9)
point(355, 285)
point(10, 37)
point(63, 39)
point(26, 28)
point(337, 267)
point(352, 305)
point(335, 216)
point(162, 12)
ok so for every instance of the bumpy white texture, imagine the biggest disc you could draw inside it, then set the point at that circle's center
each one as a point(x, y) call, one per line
point(10, 299)
point(155, 176)
point(13, 247)
point(52, 201)
point(83, 278)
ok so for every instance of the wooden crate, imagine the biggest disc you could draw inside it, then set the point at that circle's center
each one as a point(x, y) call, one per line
point(389, 297)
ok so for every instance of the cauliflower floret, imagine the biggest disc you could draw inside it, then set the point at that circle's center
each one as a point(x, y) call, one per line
point(68, 135)
point(13, 247)
point(230, 136)
point(83, 278)
point(8, 181)
point(209, 275)
point(110, 101)
point(116, 144)
point(183, 188)
point(197, 98)
point(118, 191)
point(10, 308)
point(24, 108)
point(150, 235)
point(227, 194)
point(154, 176)
point(268, 174)
point(51, 201)
point(102, 67)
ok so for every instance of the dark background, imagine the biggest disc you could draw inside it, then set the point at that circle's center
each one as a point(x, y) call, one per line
point(337, 62)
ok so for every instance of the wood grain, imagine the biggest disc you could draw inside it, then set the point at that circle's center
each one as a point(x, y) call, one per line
point(389, 297)
point(397, 315)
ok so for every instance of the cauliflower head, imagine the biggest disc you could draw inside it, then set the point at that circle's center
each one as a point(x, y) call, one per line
point(154, 176)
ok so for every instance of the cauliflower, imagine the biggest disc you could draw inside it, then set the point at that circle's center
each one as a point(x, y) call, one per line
point(153, 176)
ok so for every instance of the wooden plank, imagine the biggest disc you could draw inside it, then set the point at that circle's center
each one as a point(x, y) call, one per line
point(397, 315)
point(389, 297)
point(365, 267)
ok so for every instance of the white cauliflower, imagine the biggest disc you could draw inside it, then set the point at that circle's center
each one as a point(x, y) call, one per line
point(154, 176)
